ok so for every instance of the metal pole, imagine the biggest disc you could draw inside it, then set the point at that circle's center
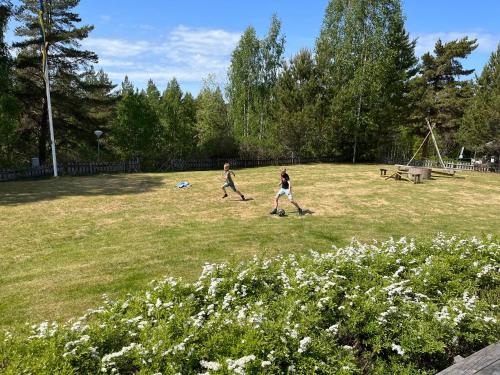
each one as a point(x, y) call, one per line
point(47, 88)
point(98, 148)
point(51, 125)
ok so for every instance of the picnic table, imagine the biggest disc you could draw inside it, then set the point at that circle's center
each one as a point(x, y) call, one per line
point(401, 175)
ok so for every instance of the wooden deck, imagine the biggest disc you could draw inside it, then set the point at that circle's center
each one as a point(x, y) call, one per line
point(484, 362)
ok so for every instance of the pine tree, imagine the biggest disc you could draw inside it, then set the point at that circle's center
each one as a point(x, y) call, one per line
point(439, 94)
point(480, 131)
point(153, 95)
point(9, 107)
point(126, 87)
point(101, 100)
point(70, 93)
point(5, 58)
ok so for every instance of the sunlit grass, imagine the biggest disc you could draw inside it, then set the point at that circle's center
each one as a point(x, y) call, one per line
point(64, 242)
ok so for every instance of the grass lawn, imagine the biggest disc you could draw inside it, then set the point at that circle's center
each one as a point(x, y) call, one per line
point(66, 241)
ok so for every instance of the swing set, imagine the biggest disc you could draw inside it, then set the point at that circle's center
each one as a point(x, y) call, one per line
point(414, 174)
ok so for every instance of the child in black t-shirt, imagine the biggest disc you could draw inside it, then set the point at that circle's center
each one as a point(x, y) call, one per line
point(285, 189)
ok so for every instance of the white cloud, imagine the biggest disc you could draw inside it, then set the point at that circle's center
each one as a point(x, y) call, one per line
point(188, 54)
point(116, 48)
point(487, 42)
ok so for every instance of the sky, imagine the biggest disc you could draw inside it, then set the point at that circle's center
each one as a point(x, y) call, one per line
point(190, 39)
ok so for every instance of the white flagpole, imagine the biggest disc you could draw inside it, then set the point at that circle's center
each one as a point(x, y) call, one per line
point(47, 91)
point(51, 125)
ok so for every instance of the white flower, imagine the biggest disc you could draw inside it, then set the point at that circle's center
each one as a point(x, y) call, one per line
point(265, 363)
point(443, 314)
point(398, 349)
point(108, 358)
point(488, 319)
point(303, 344)
point(333, 329)
point(213, 286)
point(81, 340)
point(238, 365)
point(400, 269)
point(215, 366)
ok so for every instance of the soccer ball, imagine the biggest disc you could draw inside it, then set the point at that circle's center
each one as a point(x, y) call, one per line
point(281, 212)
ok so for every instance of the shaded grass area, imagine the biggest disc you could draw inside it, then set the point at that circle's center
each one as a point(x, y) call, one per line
point(64, 242)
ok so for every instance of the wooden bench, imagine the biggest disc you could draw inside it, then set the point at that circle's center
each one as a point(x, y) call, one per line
point(486, 361)
point(383, 171)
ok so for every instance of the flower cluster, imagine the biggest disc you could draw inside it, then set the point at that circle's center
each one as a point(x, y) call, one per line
point(384, 307)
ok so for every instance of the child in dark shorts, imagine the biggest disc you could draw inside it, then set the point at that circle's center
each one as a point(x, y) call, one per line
point(228, 175)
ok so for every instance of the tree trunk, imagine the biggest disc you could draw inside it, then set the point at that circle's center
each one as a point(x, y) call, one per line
point(355, 146)
point(43, 136)
point(358, 118)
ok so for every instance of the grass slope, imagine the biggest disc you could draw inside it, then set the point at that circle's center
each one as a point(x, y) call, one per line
point(65, 242)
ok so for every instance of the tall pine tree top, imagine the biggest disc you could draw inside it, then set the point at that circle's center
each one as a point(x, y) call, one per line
point(73, 96)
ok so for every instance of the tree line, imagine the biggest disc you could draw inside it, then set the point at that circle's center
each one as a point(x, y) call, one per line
point(360, 92)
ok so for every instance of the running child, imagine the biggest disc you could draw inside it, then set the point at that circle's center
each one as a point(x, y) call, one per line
point(285, 189)
point(228, 175)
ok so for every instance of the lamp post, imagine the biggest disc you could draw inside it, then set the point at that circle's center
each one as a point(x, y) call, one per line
point(98, 134)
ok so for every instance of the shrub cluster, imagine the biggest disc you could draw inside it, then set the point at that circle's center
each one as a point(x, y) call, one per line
point(380, 308)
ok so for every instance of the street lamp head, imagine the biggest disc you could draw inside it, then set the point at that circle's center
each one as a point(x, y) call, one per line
point(98, 133)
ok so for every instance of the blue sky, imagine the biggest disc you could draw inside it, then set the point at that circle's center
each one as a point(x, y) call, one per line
point(190, 39)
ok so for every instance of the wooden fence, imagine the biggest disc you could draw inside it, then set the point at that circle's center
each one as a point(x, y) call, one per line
point(488, 167)
point(70, 169)
point(211, 164)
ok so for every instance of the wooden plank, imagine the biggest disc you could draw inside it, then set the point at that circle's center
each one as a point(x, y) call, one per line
point(487, 359)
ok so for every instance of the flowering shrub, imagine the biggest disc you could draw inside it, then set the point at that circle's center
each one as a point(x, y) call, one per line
point(390, 307)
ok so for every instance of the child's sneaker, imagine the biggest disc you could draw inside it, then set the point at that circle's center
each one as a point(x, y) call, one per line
point(242, 197)
point(224, 196)
point(274, 211)
point(301, 211)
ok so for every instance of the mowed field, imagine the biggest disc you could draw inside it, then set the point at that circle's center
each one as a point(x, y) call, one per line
point(64, 242)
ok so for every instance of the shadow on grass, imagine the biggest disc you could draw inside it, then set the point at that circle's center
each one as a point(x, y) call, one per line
point(21, 192)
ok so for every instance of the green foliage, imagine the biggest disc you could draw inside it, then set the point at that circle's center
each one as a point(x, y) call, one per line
point(177, 114)
point(481, 125)
point(253, 73)
point(136, 129)
point(9, 106)
point(214, 133)
point(5, 58)
point(390, 307)
point(297, 112)
point(365, 59)
point(242, 86)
